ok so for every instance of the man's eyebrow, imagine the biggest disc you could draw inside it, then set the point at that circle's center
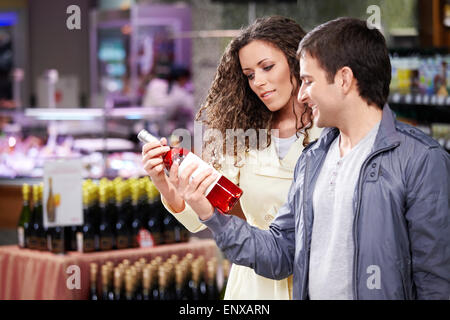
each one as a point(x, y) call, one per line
point(257, 63)
point(303, 76)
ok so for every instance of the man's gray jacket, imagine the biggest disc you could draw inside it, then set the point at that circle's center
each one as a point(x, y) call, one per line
point(401, 227)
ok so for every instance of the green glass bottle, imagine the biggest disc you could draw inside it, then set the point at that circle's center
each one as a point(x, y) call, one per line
point(23, 226)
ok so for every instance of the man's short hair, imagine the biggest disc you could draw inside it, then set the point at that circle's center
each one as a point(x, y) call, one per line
point(348, 42)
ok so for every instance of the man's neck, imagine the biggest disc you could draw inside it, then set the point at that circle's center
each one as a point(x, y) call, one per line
point(359, 120)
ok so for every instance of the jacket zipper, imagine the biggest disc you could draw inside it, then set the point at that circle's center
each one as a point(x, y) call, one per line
point(305, 230)
point(355, 220)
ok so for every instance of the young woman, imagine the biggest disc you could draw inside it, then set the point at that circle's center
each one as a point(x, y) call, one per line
point(255, 87)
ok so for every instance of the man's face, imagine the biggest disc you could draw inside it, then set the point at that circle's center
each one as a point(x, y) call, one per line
point(317, 93)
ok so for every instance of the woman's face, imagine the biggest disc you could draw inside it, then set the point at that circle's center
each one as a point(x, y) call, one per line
point(268, 73)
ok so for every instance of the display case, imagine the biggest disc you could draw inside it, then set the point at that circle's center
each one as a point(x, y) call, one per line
point(104, 139)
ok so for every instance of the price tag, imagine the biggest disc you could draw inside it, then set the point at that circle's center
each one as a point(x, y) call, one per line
point(426, 99)
point(441, 100)
point(62, 196)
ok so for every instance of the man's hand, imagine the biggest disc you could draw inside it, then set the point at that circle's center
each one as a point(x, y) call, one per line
point(192, 190)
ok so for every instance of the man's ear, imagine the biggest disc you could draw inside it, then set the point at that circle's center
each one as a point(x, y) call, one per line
point(345, 79)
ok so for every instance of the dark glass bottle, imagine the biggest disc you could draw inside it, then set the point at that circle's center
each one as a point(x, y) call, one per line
point(38, 232)
point(25, 218)
point(136, 222)
point(106, 232)
point(57, 239)
point(86, 236)
point(153, 217)
point(223, 194)
point(121, 227)
point(168, 229)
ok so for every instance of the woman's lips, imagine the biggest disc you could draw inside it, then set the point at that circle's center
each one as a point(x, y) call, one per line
point(267, 94)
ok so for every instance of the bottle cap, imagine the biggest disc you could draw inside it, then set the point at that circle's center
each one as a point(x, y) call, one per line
point(145, 136)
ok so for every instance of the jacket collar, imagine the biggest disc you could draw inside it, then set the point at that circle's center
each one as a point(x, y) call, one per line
point(387, 134)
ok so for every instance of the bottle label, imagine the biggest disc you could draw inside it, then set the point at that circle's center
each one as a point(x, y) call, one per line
point(202, 165)
point(122, 242)
point(106, 243)
point(21, 236)
point(145, 239)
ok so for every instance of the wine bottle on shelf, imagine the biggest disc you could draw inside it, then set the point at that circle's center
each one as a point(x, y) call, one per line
point(136, 221)
point(57, 239)
point(107, 289)
point(105, 229)
point(38, 232)
point(51, 209)
point(212, 290)
point(129, 285)
point(118, 289)
point(153, 219)
point(93, 295)
point(121, 226)
point(23, 227)
point(222, 193)
point(87, 237)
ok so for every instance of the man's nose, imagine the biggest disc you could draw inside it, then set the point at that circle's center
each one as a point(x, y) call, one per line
point(302, 96)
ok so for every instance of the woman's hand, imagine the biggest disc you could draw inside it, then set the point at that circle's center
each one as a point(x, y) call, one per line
point(152, 160)
point(192, 189)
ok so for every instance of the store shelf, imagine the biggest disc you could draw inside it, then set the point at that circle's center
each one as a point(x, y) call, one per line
point(420, 100)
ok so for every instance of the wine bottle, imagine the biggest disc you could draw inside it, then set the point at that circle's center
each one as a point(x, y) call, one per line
point(93, 295)
point(57, 240)
point(38, 232)
point(25, 216)
point(212, 290)
point(136, 222)
point(118, 292)
point(105, 228)
point(129, 285)
point(86, 235)
point(121, 227)
point(153, 220)
point(51, 209)
point(222, 193)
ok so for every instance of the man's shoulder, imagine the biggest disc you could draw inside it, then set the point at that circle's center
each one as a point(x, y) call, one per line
point(415, 136)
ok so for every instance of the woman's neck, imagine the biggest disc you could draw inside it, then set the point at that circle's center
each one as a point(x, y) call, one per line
point(284, 119)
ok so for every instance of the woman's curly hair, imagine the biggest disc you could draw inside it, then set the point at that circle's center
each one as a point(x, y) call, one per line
point(231, 103)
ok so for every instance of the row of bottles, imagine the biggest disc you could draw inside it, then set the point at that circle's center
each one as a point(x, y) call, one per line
point(117, 214)
point(421, 75)
point(173, 279)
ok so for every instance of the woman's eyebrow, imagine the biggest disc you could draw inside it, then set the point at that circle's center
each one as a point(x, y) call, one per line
point(256, 64)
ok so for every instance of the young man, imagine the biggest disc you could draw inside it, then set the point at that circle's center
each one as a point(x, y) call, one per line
point(367, 215)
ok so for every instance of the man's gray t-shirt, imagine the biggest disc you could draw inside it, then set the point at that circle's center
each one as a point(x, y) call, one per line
point(332, 246)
